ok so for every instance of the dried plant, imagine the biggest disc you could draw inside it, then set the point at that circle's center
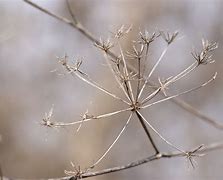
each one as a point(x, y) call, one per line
point(134, 82)
point(134, 100)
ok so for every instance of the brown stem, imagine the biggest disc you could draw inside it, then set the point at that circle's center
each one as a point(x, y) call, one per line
point(211, 147)
point(147, 132)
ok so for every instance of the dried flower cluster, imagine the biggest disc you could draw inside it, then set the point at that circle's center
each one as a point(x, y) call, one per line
point(133, 84)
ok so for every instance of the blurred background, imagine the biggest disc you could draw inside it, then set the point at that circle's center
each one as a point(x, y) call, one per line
point(30, 41)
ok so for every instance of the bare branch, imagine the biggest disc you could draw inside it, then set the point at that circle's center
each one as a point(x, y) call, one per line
point(208, 148)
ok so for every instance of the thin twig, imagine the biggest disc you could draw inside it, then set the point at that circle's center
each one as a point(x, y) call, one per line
point(59, 124)
point(139, 79)
point(211, 147)
point(153, 69)
point(96, 85)
point(208, 148)
point(164, 139)
point(113, 143)
point(128, 83)
point(147, 133)
point(182, 93)
point(170, 81)
point(115, 75)
point(71, 12)
point(183, 73)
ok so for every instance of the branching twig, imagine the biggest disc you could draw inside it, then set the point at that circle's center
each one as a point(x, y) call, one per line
point(113, 143)
point(147, 133)
point(208, 148)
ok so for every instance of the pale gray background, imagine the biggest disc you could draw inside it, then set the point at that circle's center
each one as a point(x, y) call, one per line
point(29, 44)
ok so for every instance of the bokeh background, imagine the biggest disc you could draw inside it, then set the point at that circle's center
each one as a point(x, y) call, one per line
point(30, 41)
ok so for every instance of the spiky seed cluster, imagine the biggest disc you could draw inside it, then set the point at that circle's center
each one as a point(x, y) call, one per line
point(46, 121)
point(204, 57)
point(75, 67)
point(122, 31)
point(104, 45)
point(146, 38)
point(168, 37)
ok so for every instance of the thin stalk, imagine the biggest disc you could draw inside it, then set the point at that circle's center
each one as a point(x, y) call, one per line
point(139, 78)
point(147, 132)
point(172, 80)
point(96, 85)
point(115, 75)
point(152, 95)
point(182, 93)
point(58, 124)
point(113, 143)
point(145, 60)
point(164, 139)
point(185, 72)
point(128, 84)
point(71, 12)
point(144, 65)
point(153, 69)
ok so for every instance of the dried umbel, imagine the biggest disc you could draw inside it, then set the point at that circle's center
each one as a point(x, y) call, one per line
point(136, 102)
point(136, 98)
point(205, 56)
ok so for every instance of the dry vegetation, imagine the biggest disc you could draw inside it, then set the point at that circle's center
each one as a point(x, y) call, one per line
point(139, 92)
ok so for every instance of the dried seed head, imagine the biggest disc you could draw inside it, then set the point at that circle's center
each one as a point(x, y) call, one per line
point(75, 67)
point(63, 60)
point(126, 77)
point(204, 57)
point(76, 172)
point(46, 121)
point(104, 45)
point(209, 46)
point(168, 37)
point(146, 38)
point(122, 31)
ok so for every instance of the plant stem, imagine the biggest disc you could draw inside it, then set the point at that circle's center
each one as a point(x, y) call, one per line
point(147, 133)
